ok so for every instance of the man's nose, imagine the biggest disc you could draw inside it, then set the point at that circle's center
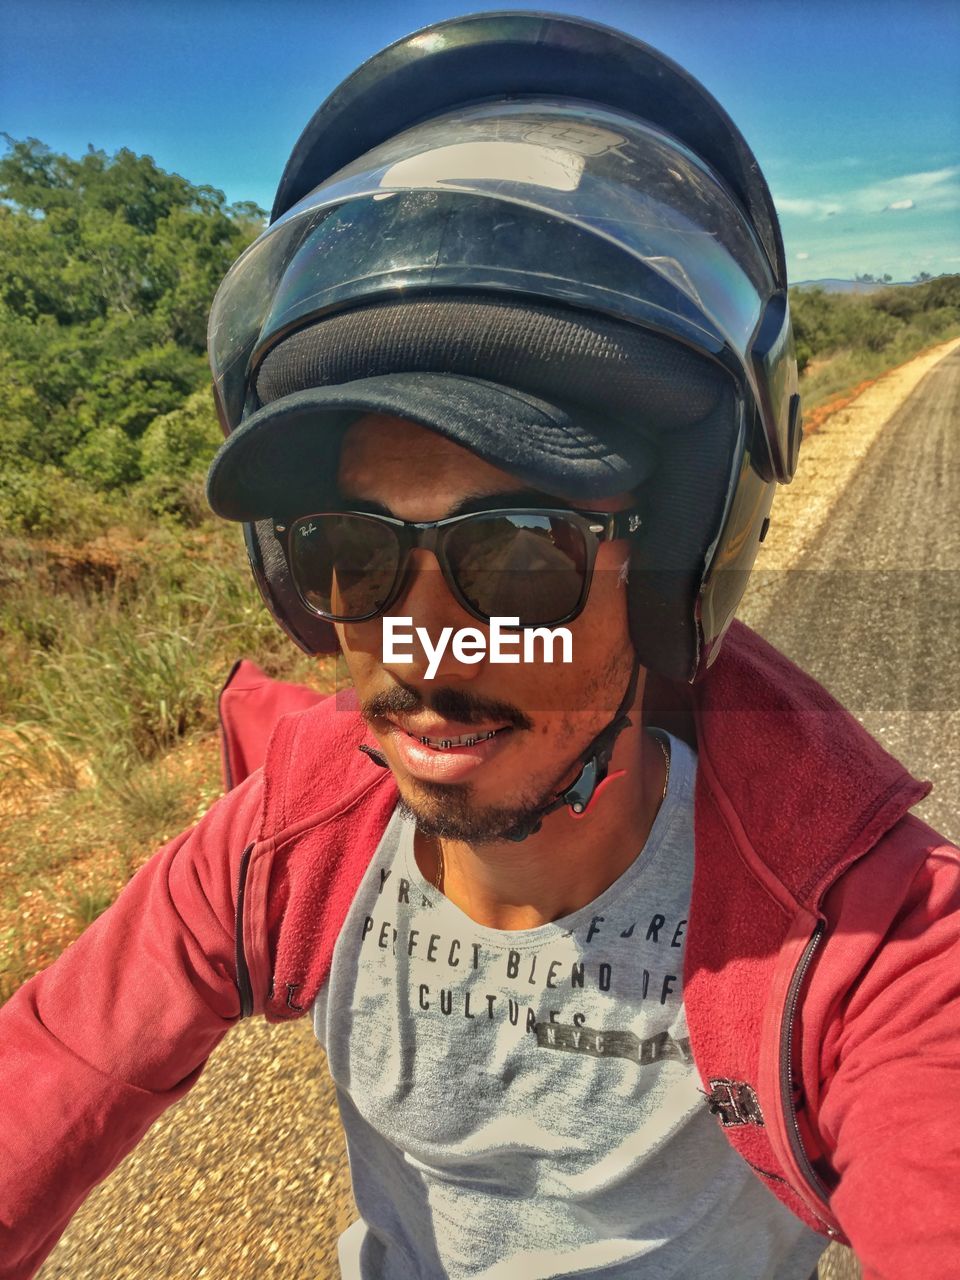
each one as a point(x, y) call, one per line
point(428, 600)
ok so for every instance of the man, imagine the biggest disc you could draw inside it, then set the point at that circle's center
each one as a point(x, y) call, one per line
point(606, 949)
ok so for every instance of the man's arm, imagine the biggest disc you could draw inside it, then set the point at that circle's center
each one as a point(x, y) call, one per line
point(93, 1049)
point(890, 1105)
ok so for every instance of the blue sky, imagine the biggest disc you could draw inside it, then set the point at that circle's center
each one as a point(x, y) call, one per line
point(852, 107)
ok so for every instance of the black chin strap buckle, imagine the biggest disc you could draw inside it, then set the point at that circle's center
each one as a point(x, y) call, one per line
point(521, 832)
point(375, 756)
point(581, 791)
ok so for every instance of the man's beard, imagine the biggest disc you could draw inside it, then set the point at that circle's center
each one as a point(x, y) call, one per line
point(444, 811)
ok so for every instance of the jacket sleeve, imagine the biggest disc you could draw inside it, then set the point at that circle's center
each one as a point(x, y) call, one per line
point(890, 1103)
point(94, 1048)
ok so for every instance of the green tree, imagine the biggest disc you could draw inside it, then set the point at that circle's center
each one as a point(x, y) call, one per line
point(108, 266)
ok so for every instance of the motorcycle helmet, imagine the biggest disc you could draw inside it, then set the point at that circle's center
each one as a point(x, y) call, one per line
point(553, 217)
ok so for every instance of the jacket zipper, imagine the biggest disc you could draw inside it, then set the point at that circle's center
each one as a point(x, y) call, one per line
point(786, 1074)
point(244, 986)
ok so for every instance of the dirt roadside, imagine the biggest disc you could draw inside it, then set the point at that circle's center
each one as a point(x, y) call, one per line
point(829, 458)
point(247, 1177)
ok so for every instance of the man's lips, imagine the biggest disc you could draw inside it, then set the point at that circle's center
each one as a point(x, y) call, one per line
point(446, 735)
point(471, 746)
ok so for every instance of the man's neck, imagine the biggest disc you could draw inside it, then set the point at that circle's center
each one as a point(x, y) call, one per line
point(569, 861)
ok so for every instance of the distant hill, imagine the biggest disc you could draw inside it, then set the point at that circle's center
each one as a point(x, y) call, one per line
point(850, 286)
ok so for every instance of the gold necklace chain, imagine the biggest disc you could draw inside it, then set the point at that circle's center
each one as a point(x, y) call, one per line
point(436, 883)
point(666, 760)
point(663, 795)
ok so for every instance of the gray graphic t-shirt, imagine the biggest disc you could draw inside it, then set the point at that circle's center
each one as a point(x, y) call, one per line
point(523, 1104)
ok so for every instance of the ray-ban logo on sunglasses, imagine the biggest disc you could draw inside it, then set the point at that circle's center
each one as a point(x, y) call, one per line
point(503, 643)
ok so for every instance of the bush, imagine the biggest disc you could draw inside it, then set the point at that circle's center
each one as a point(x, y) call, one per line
point(107, 459)
point(932, 324)
point(901, 303)
point(43, 501)
point(123, 661)
point(812, 314)
point(856, 323)
point(180, 500)
point(182, 442)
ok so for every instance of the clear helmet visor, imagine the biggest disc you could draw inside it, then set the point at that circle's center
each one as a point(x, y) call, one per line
point(549, 199)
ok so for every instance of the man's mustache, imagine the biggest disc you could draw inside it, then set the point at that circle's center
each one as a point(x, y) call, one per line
point(449, 704)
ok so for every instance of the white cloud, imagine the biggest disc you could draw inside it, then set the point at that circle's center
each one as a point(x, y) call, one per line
point(934, 188)
point(802, 257)
point(806, 208)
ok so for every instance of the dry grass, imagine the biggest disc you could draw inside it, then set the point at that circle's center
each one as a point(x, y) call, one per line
point(111, 655)
point(66, 854)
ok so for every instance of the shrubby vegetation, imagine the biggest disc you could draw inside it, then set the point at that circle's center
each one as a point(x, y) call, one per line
point(122, 603)
point(107, 269)
point(825, 323)
point(844, 338)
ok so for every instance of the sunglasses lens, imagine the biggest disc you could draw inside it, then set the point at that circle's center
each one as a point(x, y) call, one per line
point(526, 565)
point(344, 566)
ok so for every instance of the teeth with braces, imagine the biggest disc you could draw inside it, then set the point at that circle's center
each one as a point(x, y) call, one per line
point(465, 740)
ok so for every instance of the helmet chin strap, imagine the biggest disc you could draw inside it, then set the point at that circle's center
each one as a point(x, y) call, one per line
point(594, 762)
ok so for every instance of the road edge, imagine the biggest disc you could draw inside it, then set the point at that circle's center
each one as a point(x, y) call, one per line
point(830, 457)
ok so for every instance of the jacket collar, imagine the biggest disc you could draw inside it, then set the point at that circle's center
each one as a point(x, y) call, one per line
point(805, 790)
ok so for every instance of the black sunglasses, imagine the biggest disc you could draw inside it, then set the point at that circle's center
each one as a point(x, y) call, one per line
point(533, 564)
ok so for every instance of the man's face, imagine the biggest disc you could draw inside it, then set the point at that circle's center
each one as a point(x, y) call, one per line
point(544, 714)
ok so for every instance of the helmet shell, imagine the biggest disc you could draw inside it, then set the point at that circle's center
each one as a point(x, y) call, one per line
point(553, 160)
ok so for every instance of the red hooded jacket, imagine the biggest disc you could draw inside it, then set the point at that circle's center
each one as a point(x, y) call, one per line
point(822, 968)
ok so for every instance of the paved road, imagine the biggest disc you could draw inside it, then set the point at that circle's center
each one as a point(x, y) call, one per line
point(872, 607)
point(247, 1177)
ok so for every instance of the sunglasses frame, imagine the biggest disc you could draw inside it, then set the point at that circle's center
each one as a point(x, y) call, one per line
point(431, 535)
